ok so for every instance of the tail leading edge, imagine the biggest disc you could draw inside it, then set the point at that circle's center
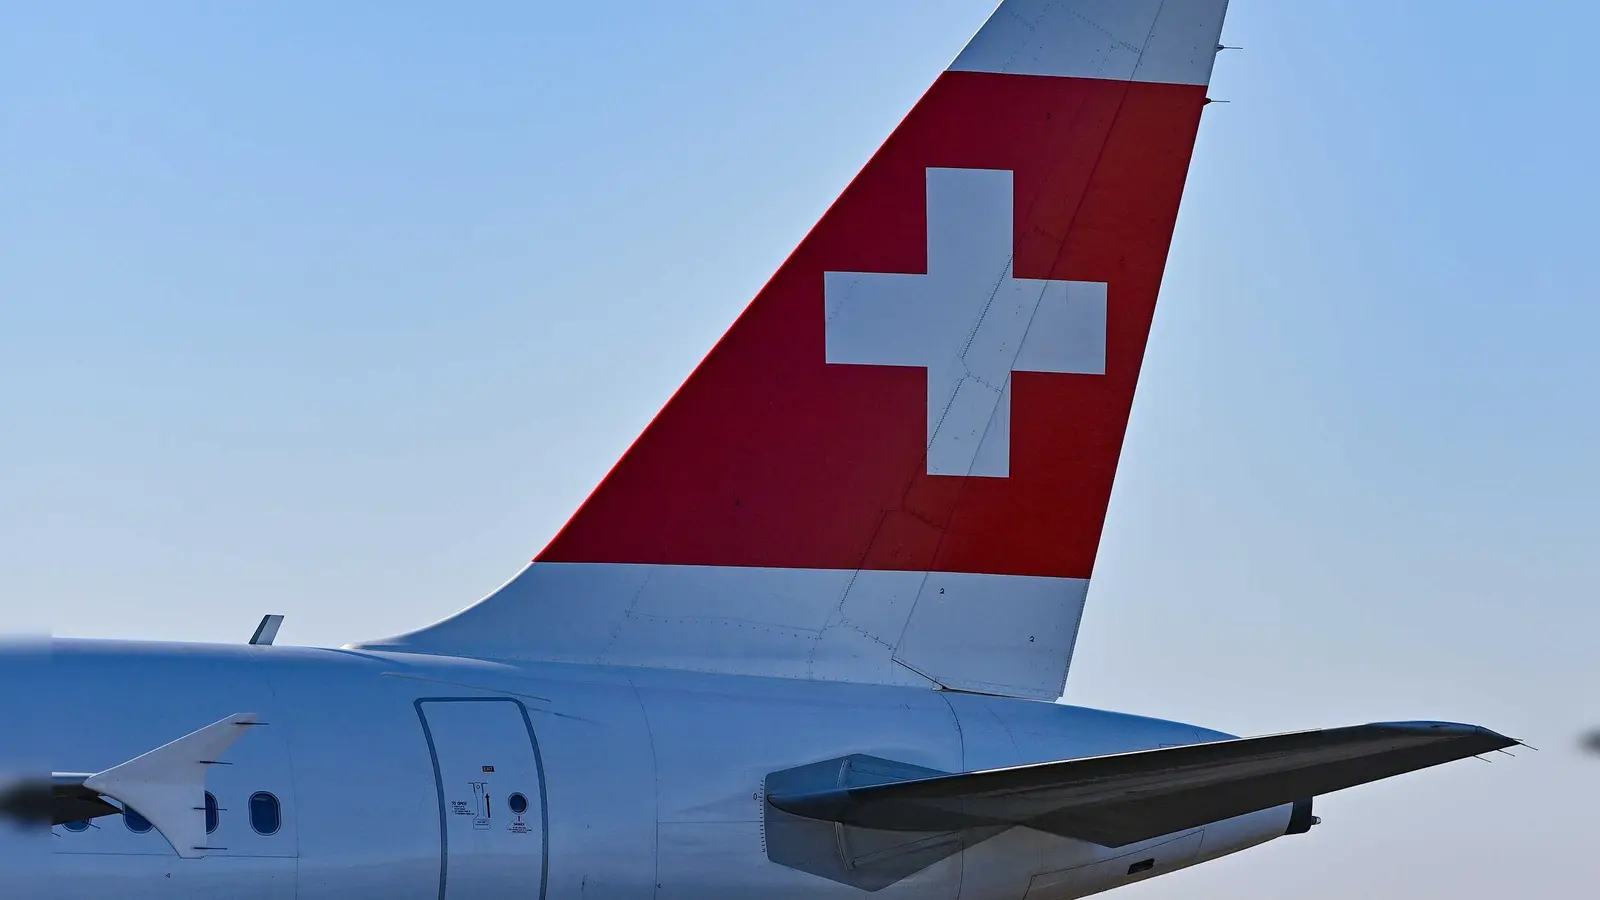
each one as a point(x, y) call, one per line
point(894, 467)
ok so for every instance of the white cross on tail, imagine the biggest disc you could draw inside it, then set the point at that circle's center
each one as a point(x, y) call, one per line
point(969, 322)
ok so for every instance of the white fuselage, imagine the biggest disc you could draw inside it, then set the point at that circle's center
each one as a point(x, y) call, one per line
point(399, 776)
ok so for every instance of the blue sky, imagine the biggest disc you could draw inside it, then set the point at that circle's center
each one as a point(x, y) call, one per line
point(337, 311)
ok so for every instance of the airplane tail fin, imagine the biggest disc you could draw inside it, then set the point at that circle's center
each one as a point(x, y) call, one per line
point(894, 467)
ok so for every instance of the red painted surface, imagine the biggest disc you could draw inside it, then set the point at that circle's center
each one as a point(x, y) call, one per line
point(768, 456)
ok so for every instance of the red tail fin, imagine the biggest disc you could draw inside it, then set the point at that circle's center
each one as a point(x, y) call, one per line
point(935, 384)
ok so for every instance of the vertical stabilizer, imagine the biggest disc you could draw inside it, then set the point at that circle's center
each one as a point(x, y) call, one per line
point(894, 467)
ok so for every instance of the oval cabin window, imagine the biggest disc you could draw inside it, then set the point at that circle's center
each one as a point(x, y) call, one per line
point(212, 812)
point(265, 813)
point(136, 823)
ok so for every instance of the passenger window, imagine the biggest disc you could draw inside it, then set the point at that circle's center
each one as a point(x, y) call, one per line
point(212, 812)
point(136, 823)
point(79, 825)
point(265, 813)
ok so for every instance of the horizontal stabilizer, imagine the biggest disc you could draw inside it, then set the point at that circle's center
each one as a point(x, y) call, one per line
point(1130, 797)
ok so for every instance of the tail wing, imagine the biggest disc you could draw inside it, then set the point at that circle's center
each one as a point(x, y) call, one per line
point(895, 466)
point(1123, 799)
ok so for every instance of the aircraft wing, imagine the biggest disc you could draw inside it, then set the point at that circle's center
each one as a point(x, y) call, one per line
point(58, 799)
point(166, 785)
point(1130, 797)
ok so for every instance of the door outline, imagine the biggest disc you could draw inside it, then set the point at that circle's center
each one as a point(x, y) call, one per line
point(438, 783)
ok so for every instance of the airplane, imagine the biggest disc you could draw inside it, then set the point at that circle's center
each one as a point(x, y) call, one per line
point(808, 638)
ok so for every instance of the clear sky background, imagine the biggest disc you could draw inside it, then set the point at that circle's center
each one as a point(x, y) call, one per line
point(338, 310)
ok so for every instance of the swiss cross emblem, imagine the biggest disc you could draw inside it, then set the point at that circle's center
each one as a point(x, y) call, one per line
point(969, 322)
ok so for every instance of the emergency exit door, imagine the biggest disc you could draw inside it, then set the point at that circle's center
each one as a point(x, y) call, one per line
point(491, 798)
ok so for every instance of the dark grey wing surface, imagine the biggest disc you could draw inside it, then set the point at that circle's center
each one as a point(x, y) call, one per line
point(1130, 797)
point(58, 799)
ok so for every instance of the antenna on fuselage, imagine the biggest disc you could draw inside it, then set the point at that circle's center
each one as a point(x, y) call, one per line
point(267, 631)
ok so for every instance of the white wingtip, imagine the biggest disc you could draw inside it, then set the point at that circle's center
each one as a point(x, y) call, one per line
point(167, 785)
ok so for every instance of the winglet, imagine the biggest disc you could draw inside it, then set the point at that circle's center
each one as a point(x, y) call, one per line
point(167, 785)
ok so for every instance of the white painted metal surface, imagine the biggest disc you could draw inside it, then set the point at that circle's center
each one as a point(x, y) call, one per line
point(1007, 634)
point(168, 784)
point(1123, 40)
point(491, 798)
point(104, 702)
point(968, 322)
point(653, 778)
